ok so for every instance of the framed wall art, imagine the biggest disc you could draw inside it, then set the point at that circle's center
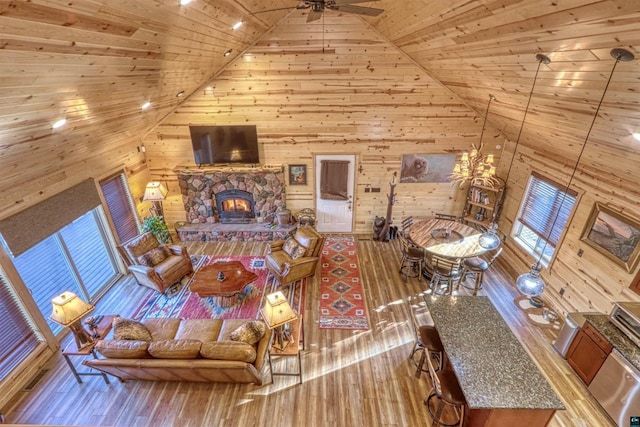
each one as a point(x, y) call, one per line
point(427, 167)
point(614, 234)
point(297, 174)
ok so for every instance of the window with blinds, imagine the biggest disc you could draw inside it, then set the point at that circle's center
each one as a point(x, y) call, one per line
point(120, 207)
point(544, 213)
point(18, 338)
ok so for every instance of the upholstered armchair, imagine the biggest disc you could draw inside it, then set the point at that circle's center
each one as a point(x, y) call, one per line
point(154, 265)
point(297, 257)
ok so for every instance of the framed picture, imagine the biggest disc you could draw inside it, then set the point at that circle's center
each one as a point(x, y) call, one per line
point(615, 234)
point(426, 167)
point(297, 174)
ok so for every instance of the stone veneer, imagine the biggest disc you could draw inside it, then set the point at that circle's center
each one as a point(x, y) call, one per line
point(200, 185)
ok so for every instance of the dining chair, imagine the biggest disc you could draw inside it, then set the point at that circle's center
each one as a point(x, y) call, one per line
point(406, 225)
point(475, 267)
point(444, 270)
point(446, 390)
point(447, 216)
point(412, 258)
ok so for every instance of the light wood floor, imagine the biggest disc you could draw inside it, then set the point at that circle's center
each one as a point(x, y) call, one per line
point(351, 378)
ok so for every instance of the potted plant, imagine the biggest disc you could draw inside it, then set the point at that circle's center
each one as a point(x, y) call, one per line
point(156, 225)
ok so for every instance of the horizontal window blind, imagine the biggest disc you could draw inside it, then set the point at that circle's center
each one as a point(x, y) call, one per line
point(17, 337)
point(544, 201)
point(116, 195)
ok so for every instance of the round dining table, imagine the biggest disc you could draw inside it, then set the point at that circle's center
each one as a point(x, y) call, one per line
point(445, 238)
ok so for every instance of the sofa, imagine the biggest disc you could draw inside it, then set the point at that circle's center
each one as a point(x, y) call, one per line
point(296, 257)
point(184, 350)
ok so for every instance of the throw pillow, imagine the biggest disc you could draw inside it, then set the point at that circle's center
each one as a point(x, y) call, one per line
point(155, 256)
point(250, 332)
point(293, 248)
point(127, 329)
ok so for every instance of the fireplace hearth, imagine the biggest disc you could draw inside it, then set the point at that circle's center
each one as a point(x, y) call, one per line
point(235, 206)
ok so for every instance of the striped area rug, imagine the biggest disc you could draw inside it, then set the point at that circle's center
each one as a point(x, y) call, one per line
point(180, 302)
point(342, 300)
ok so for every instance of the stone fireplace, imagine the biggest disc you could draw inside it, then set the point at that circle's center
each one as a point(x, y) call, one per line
point(208, 197)
point(235, 206)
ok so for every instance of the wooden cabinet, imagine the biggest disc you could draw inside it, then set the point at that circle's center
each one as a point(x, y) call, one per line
point(588, 352)
point(483, 205)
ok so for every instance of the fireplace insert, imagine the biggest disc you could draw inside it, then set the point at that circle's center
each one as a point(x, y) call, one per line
point(235, 206)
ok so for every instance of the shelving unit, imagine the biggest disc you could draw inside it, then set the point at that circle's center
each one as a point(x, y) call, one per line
point(483, 205)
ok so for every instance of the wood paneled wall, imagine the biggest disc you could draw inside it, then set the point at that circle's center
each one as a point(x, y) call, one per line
point(351, 92)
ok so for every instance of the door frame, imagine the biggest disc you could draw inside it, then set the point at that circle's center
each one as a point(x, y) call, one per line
point(354, 183)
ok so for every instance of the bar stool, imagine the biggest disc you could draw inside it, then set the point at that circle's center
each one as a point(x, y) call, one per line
point(444, 270)
point(412, 258)
point(446, 389)
point(428, 342)
point(475, 267)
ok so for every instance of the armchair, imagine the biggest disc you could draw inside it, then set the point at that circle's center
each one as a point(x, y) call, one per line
point(154, 265)
point(297, 257)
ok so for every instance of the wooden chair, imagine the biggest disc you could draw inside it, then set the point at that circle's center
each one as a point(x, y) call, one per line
point(406, 225)
point(412, 258)
point(475, 267)
point(447, 216)
point(444, 270)
point(446, 390)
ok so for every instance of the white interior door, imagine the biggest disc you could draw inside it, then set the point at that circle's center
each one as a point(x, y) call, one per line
point(335, 215)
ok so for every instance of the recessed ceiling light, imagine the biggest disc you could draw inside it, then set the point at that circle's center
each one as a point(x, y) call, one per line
point(636, 135)
point(237, 25)
point(228, 52)
point(59, 123)
point(183, 2)
point(146, 105)
point(179, 94)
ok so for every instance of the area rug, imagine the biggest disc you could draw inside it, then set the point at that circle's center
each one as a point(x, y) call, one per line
point(536, 315)
point(342, 301)
point(180, 302)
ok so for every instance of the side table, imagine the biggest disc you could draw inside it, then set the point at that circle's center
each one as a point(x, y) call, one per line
point(103, 328)
point(291, 350)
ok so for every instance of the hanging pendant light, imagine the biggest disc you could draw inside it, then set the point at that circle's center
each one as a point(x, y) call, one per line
point(490, 239)
point(531, 284)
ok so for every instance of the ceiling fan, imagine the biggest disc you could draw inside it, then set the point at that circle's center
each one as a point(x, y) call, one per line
point(319, 6)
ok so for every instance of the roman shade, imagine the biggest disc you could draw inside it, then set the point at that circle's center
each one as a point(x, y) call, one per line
point(25, 229)
point(334, 177)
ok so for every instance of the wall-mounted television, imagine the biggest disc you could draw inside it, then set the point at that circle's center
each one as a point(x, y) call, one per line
point(224, 144)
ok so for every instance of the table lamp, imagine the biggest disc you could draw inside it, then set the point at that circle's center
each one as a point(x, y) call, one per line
point(68, 310)
point(155, 192)
point(277, 313)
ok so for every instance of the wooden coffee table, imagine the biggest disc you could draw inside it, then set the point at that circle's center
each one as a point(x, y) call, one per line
point(224, 293)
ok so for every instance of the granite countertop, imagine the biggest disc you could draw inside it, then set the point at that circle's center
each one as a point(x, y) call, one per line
point(493, 369)
point(627, 348)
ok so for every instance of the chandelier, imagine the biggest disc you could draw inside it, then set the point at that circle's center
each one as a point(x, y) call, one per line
point(474, 166)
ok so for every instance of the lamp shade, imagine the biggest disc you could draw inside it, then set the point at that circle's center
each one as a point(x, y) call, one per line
point(68, 308)
point(490, 239)
point(277, 311)
point(155, 192)
point(531, 284)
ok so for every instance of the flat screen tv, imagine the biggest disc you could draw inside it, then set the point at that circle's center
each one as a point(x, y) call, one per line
point(224, 144)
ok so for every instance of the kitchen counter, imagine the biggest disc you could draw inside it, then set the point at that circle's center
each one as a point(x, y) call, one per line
point(493, 369)
point(627, 348)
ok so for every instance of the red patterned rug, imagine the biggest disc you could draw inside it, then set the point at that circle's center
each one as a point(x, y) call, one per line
point(342, 302)
point(180, 302)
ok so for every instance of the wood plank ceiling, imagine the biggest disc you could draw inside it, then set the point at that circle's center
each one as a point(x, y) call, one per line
point(97, 62)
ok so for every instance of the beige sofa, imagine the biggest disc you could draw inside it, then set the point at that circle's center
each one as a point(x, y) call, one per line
point(184, 350)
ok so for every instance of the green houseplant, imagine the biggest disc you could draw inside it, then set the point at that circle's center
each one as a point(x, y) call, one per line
point(156, 225)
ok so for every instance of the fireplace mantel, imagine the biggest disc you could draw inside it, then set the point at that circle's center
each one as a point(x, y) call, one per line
point(199, 185)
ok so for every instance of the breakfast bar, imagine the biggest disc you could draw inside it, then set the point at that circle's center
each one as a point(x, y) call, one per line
point(501, 383)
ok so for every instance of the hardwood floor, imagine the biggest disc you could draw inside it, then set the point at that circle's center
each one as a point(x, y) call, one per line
point(351, 378)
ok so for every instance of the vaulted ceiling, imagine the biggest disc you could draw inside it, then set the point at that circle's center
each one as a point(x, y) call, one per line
point(96, 62)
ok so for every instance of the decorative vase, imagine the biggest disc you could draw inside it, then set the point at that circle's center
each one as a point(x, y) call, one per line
point(284, 216)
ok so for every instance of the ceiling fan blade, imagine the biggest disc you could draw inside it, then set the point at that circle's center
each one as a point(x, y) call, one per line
point(369, 11)
point(314, 15)
point(303, 5)
point(345, 2)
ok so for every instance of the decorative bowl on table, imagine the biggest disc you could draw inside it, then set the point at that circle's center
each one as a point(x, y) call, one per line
point(447, 235)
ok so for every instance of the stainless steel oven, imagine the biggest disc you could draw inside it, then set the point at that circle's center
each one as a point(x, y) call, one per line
point(626, 316)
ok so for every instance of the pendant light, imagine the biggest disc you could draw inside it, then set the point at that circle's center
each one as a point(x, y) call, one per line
point(531, 284)
point(490, 239)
